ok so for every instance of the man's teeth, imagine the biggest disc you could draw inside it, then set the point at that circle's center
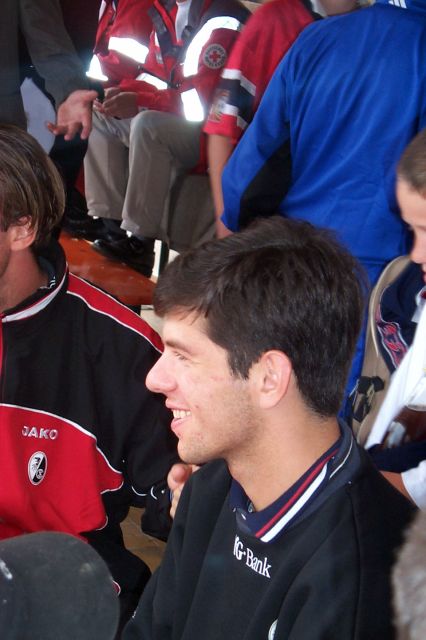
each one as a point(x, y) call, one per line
point(178, 413)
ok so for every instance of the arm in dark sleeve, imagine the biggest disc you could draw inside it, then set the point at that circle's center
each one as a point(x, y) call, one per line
point(50, 47)
point(154, 616)
point(258, 174)
point(151, 447)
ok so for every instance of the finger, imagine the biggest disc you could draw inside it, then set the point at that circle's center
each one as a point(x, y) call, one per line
point(111, 91)
point(178, 475)
point(71, 130)
point(53, 128)
point(110, 111)
point(175, 502)
point(90, 96)
point(87, 126)
point(109, 102)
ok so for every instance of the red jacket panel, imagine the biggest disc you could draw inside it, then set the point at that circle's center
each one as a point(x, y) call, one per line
point(127, 19)
point(167, 58)
point(267, 36)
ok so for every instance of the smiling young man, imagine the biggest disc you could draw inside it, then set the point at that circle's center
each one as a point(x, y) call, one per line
point(287, 531)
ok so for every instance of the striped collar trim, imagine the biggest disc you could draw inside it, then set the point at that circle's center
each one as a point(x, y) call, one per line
point(38, 305)
point(267, 524)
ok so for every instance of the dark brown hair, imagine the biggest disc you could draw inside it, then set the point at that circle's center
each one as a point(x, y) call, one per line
point(280, 284)
point(30, 185)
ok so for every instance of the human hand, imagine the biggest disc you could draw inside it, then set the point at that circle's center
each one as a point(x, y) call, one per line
point(176, 479)
point(74, 115)
point(109, 92)
point(121, 104)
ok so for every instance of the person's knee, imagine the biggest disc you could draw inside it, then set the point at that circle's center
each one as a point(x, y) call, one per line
point(151, 126)
point(144, 125)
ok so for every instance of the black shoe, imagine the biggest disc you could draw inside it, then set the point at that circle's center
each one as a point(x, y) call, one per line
point(138, 254)
point(91, 229)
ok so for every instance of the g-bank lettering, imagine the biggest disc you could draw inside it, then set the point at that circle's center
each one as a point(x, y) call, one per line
point(255, 564)
point(46, 434)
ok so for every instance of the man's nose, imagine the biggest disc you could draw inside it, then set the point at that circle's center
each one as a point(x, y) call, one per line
point(159, 378)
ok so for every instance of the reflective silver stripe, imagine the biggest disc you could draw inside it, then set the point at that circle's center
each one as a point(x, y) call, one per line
point(156, 82)
point(230, 110)
point(190, 65)
point(233, 111)
point(241, 123)
point(95, 70)
point(192, 106)
point(102, 9)
point(129, 47)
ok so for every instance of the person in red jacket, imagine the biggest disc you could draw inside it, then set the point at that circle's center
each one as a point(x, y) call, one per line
point(270, 31)
point(122, 36)
point(148, 130)
point(268, 35)
point(123, 30)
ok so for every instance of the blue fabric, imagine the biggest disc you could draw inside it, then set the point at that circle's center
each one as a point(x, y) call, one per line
point(395, 326)
point(398, 459)
point(414, 5)
point(349, 96)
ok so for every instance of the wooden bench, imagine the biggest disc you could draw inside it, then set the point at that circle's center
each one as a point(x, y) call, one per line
point(127, 285)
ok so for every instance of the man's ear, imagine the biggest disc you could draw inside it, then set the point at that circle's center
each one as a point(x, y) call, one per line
point(22, 235)
point(273, 376)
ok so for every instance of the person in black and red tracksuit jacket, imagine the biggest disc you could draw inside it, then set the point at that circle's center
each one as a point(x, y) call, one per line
point(82, 437)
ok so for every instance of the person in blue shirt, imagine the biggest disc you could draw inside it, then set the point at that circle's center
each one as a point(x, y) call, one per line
point(333, 122)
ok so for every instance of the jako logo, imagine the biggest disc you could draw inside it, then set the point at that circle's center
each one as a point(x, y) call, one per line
point(255, 564)
point(37, 466)
point(33, 432)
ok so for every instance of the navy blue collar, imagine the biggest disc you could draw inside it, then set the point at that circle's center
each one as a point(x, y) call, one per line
point(269, 523)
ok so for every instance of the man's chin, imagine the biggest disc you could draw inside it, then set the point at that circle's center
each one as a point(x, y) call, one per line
point(191, 457)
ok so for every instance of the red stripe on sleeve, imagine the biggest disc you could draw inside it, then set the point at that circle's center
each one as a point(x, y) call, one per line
point(109, 306)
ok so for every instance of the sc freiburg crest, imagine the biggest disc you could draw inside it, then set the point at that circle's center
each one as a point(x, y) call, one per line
point(37, 466)
point(214, 56)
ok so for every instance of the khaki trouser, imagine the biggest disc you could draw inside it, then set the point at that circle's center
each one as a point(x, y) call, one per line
point(131, 165)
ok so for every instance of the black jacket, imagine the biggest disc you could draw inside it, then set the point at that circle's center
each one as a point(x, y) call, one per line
point(81, 436)
point(325, 577)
